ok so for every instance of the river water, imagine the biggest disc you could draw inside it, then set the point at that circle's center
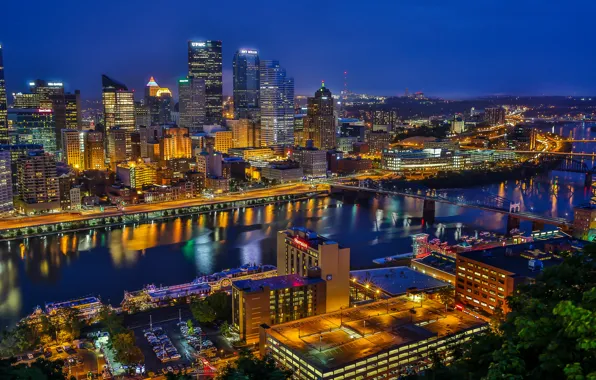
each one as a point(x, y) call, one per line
point(107, 262)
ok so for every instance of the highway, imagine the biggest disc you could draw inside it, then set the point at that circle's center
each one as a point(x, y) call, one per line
point(39, 220)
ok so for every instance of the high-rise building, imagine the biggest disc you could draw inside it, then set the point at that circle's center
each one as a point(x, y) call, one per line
point(37, 182)
point(33, 126)
point(119, 143)
point(135, 143)
point(119, 112)
point(3, 104)
point(142, 115)
point(25, 100)
point(319, 125)
point(6, 204)
point(73, 145)
point(94, 151)
point(136, 175)
point(205, 62)
point(45, 91)
point(276, 104)
point(246, 133)
point(191, 93)
point(223, 141)
point(165, 105)
point(494, 115)
point(247, 84)
point(312, 161)
point(67, 113)
point(299, 249)
point(175, 143)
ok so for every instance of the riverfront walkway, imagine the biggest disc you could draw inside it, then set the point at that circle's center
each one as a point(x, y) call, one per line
point(65, 217)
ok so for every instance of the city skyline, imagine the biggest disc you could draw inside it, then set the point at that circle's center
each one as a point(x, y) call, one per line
point(410, 46)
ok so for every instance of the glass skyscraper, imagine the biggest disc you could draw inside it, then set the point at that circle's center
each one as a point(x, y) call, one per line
point(3, 106)
point(205, 61)
point(33, 126)
point(191, 93)
point(246, 84)
point(277, 105)
point(119, 111)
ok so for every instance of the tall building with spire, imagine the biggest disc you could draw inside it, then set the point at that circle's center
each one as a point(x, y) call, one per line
point(277, 104)
point(247, 83)
point(205, 62)
point(3, 106)
point(119, 114)
point(319, 125)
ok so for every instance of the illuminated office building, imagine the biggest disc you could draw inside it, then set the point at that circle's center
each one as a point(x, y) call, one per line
point(67, 113)
point(142, 115)
point(136, 175)
point(247, 81)
point(3, 104)
point(94, 151)
point(119, 112)
point(25, 100)
point(164, 104)
point(119, 143)
point(276, 104)
point(245, 133)
point(6, 204)
point(319, 124)
point(223, 141)
point(191, 103)
point(37, 182)
point(299, 249)
point(33, 126)
point(175, 143)
point(45, 91)
point(205, 62)
point(494, 115)
point(73, 148)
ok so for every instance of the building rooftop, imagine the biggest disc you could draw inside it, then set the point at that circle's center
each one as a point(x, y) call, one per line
point(275, 283)
point(304, 236)
point(439, 261)
point(395, 281)
point(514, 258)
point(334, 340)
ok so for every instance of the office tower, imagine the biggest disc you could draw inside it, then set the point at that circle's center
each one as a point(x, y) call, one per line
point(119, 146)
point(6, 204)
point(94, 151)
point(142, 115)
point(25, 100)
point(223, 141)
point(299, 249)
point(205, 62)
point(276, 104)
point(209, 163)
point(45, 91)
point(72, 148)
point(67, 113)
point(37, 182)
point(165, 105)
point(494, 115)
point(191, 93)
point(245, 133)
point(136, 174)
point(175, 143)
point(319, 125)
point(3, 104)
point(299, 139)
point(377, 141)
point(312, 160)
point(135, 144)
point(33, 126)
point(119, 112)
point(151, 88)
point(247, 83)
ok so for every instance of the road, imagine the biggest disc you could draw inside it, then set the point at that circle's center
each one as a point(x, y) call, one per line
point(39, 220)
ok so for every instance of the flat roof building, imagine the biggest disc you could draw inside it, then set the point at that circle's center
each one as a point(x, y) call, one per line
point(381, 340)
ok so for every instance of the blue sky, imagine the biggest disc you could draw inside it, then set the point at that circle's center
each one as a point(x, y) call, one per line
point(445, 48)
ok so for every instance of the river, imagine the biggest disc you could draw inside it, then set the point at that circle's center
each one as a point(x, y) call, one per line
point(107, 262)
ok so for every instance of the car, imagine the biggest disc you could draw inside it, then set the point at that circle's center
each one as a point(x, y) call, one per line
point(59, 350)
point(47, 354)
point(30, 356)
point(164, 370)
point(170, 369)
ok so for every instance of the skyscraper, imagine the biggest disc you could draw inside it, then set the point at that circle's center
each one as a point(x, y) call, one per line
point(5, 181)
point(276, 104)
point(191, 93)
point(37, 182)
point(119, 111)
point(3, 106)
point(319, 125)
point(205, 61)
point(72, 148)
point(94, 151)
point(247, 83)
point(67, 112)
point(33, 126)
point(175, 143)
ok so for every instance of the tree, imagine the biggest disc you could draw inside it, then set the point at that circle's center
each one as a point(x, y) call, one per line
point(21, 338)
point(127, 352)
point(249, 367)
point(221, 303)
point(224, 329)
point(40, 369)
point(202, 311)
point(446, 296)
point(191, 329)
point(111, 320)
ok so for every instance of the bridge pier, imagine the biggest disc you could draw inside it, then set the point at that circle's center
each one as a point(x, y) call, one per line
point(512, 223)
point(537, 226)
point(588, 180)
point(428, 212)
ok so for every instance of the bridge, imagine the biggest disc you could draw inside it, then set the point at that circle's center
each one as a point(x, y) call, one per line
point(481, 200)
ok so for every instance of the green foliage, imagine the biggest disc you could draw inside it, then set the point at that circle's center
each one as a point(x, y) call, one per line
point(224, 329)
point(21, 338)
point(446, 296)
point(126, 350)
point(249, 367)
point(110, 320)
point(202, 312)
point(217, 306)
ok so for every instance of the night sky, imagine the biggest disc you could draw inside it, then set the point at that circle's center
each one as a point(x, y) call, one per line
point(451, 48)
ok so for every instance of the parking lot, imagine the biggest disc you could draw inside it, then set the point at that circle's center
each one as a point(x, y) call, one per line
point(78, 361)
